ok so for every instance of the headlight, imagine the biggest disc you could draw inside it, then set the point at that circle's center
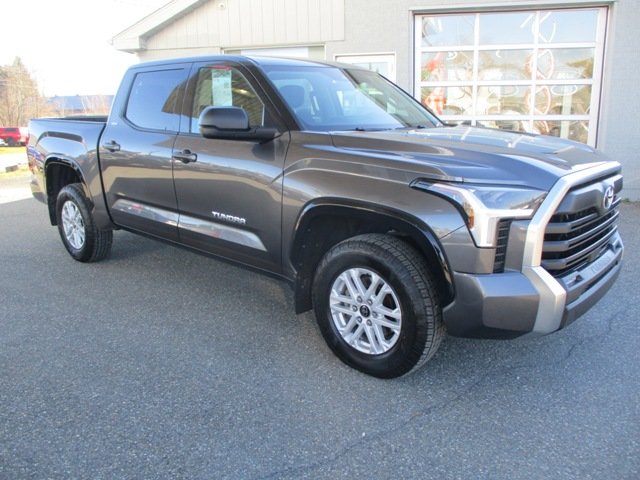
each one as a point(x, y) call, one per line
point(483, 206)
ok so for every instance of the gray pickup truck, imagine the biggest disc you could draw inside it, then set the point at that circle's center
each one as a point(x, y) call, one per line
point(392, 225)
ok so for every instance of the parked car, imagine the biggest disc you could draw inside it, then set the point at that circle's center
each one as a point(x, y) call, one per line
point(14, 135)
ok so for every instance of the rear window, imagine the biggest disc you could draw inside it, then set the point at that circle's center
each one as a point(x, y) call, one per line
point(154, 100)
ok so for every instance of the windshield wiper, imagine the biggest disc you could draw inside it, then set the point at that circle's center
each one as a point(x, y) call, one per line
point(412, 127)
point(364, 129)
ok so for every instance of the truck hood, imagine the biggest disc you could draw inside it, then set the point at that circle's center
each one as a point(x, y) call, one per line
point(472, 154)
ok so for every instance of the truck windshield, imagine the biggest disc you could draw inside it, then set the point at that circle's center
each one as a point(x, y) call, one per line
point(330, 98)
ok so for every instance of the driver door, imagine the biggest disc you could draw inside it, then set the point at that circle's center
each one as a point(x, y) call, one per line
point(229, 192)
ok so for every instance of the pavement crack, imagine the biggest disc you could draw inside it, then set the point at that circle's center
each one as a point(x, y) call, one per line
point(606, 333)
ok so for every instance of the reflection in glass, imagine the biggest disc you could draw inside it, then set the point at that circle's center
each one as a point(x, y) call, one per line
point(447, 66)
point(503, 100)
point(507, 28)
point(577, 130)
point(559, 26)
point(501, 65)
point(571, 63)
point(448, 100)
point(562, 100)
point(153, 100)
point(512, 125)
point(446, 30)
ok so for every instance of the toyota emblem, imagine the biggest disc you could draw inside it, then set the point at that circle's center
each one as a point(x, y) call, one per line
point(607, 200)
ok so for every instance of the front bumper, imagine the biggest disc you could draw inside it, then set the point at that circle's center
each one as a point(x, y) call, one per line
point(507, 305)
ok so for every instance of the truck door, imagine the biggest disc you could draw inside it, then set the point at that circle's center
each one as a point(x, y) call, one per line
point(136, 150)
point(229, 192)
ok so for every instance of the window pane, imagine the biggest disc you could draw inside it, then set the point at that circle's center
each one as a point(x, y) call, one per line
point(513, 125)
point(577, 130)
point(448, 30)
point(447, 66)
point(503, 65)
point(568, 26)
point(571, 63)
point(153, 102)
point(563, 100)
point(448, 100)
point(506, 28)
point(223, 86)
point(503, 100)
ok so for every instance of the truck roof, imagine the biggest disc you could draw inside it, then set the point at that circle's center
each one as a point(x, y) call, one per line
point(246, 60)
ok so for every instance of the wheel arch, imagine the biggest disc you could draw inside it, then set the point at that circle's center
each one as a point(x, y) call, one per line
point(60, 172)
point(325, 223)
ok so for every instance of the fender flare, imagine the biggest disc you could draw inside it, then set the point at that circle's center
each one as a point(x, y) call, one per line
point(367, 217)
point(56, 159)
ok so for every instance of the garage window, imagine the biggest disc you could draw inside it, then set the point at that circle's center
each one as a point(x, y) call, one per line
point(532, 71)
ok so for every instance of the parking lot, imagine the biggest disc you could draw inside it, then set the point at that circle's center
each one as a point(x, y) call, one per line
point(159, 363)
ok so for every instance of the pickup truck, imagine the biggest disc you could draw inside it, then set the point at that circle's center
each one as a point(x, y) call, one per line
point(13, 136)
point(393, 226)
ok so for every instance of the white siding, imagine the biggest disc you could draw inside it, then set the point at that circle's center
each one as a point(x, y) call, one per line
point(255, 23)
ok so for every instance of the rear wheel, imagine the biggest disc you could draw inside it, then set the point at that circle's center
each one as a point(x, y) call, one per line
point(376, 305)
point(79, 234)
point(11, 142)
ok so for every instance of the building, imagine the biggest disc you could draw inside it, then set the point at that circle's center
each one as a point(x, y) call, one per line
point(558, 67)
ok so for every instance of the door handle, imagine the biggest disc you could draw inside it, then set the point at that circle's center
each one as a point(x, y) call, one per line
point(112, 146)
point(186, 156)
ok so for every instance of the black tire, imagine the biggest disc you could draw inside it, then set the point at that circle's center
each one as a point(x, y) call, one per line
point(11, 142)
point(410, 341)
point(79, 234)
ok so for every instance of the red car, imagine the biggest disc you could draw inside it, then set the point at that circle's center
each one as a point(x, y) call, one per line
point(14, 136)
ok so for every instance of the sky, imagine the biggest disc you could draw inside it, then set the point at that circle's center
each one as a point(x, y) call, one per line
point(65, 43)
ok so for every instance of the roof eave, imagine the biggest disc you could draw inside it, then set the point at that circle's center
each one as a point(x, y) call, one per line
point(133, 38)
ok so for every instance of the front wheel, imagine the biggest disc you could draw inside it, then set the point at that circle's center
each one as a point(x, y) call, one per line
point(79, 234)
point(376, 305)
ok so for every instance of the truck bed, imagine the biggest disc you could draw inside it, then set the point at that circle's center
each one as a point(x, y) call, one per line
point(70, 140)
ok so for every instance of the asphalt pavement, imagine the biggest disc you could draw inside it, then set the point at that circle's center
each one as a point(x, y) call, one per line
point(159, 363)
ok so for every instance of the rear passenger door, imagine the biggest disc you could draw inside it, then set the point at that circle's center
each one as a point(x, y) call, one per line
point(136, 150)
point(229, 192)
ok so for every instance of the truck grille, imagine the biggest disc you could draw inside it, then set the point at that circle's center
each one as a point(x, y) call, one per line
point(581, 228)
point(501, 246)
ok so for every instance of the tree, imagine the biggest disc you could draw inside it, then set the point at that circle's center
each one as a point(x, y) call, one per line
point(19, 97)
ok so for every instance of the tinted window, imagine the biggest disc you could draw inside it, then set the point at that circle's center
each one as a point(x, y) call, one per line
point(328, 98)
point(223, 86)
point(153, 102)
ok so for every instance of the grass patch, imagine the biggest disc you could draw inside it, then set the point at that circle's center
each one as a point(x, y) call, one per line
point(21, 171)
point(9, 150)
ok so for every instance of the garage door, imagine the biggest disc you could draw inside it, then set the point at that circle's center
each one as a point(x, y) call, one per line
point(533, 71)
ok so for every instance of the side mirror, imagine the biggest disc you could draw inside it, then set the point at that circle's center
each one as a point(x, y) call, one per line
point(231, 123)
